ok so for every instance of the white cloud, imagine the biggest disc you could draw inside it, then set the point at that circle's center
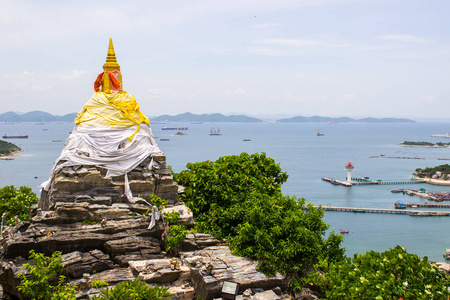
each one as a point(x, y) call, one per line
point(74, 75)
point(287, 42)
point(40, 88)
point(237, 91)
point(267, 25)
point(404, 38)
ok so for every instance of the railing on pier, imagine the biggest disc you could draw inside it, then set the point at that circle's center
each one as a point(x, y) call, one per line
point(380, 210)
point(361, 181)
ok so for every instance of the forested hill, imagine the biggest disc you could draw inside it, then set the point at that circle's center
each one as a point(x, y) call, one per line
point(41, 116)
point(189, 117)
point(7, 148)
point(346, 119)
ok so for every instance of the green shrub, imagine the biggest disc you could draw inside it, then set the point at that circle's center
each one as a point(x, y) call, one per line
point(159, 202)
point(393, 274)
point(97, 283)
point(42, 272)
point(16, 202)
point(176, 234)
point(172, 217)
point(239, 198)
point(134, 290)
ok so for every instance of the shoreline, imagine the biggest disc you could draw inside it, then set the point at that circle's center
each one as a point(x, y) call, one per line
point(437, 182)
point(11, 155)
point(423, 146)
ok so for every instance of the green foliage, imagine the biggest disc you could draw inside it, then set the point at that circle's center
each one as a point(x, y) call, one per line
point(285, 235)
point(176, 234)
point(215, 190)
point(42, 272)
point(172, 217)
point(97, 283)
point(431, 171)
point(16, 202)
point(134, 290)
point(409, 143)
point(393, 274)
point(159, 202)
point(7, 148)
point(239, 198)
point(88, 222)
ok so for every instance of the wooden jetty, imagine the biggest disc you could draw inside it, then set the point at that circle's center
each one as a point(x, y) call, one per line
point(432, 205)
point(370, 182)
point(379, 210)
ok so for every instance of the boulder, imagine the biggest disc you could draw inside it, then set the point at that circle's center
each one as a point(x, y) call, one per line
point(212, 265)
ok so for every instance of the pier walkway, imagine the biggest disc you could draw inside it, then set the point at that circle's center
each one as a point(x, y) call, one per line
point(370, 182)
point(383, 211)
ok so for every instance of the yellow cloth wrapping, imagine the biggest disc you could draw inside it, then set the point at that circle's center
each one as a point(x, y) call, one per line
point(118, 110)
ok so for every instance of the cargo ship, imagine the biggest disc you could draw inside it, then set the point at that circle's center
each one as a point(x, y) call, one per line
point(15, 136)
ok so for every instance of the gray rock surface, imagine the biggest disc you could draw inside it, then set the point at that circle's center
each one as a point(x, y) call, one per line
point(103, 237)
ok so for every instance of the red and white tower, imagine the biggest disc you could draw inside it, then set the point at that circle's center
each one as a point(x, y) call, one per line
point(349, 167)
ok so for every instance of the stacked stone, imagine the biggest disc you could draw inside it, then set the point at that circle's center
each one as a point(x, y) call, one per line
point(104, 233)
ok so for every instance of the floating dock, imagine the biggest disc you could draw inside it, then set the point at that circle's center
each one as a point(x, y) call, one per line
point(382, 211)
point(371, 182)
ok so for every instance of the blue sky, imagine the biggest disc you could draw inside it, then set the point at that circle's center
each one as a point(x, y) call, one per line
point(365, 58)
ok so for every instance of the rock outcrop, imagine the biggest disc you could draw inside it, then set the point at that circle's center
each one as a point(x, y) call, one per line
point(103, 236)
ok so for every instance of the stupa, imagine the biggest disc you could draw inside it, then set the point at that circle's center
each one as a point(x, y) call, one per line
point(110, 155)
point(93, 209)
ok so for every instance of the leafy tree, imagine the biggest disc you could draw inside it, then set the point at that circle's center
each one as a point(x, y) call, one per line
point(215, 190)
point(43, 271)
point(431, 171)
point(16, 202)
point(7, 148)
point(134, 290)
point(393, 274)
point(239, 198)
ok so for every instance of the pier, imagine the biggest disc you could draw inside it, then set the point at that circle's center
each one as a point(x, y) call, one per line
point(362, 181)
point(383, 211)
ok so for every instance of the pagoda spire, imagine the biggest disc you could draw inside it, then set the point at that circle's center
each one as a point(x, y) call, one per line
point(111, 65)
point(111, 60)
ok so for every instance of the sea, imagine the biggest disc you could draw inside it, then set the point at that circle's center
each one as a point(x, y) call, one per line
point(306, 157)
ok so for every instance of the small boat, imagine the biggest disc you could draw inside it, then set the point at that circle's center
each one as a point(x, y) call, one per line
point(334, 182)
point(344, 231)
point(397, 191)
point(446, 254)
point(173, 128)
point(318, 133)
point(357, 210)
point(400, 205)
point(413, 206)
point(420, 214)
point(164, 140)
point(246, 140)
point(213, 131)
point(57, 141)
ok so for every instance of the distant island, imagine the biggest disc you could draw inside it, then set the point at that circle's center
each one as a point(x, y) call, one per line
point(40, 116)
point(190, 117)
point(425, 144)
point(346, 120)
point(7, 148)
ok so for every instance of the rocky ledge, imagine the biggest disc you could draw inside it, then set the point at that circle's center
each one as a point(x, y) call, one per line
point(103, 237)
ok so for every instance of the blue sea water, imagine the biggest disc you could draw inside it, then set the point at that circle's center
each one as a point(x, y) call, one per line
point(305, 156)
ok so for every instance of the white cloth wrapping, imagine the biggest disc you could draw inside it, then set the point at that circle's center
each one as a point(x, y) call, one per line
point(108, 148)
point(156, 215)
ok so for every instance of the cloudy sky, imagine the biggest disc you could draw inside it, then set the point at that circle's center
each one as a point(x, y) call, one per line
point(357, 58)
